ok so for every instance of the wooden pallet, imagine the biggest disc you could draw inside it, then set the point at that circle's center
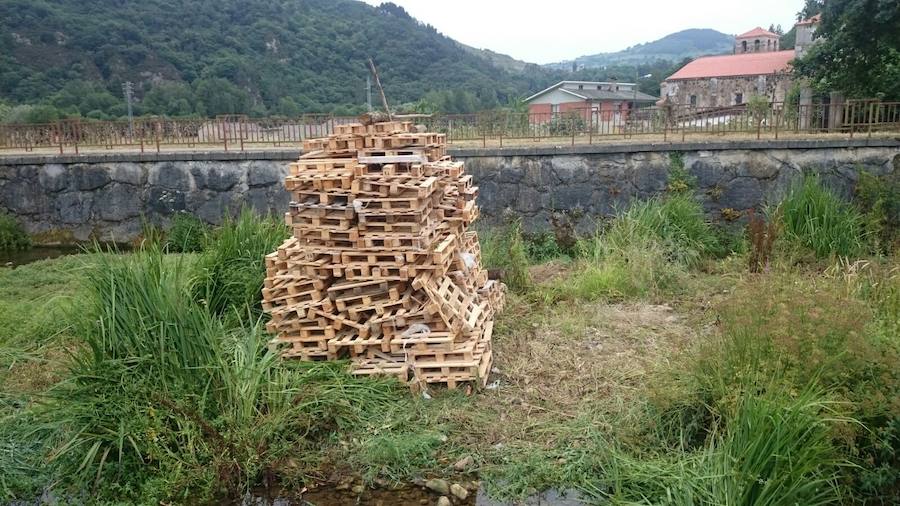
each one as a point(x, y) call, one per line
point(381, 366)
point(452, 373)
point(381, 185)
point(321, 218)
point(348, 142)
point(323, 166)
point(389, 128)
point(350, 129)
point(381, 267)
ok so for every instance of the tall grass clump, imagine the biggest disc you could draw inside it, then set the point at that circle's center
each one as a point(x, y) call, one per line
point(232, 265)
point(644, 250)
point(879, 198)
point(187, 234)
point(788, 334)
point(164, 402)
point(12, 236)
point(504, 253)
point(774, 449)
point(814, 217)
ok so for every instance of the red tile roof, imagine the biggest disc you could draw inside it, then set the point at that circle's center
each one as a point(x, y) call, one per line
point(751, 64)
point(757, 32)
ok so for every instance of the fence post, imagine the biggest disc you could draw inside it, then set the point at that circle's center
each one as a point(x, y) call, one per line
point(590, 126)
point(573, 129)
point(59, 136)
point(241, 132)
point(77, 134)
point(156, 134)
point(871, 118)
point(777, 119)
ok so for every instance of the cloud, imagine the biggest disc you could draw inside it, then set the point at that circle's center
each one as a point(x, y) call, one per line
point(544, 32)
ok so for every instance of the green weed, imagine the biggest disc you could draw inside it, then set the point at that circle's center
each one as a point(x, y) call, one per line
point(232, 265)
point(504, 251)
point(12, 236)
point(815, 218)
point(166, 402)
point(187, 234)
point(879, 199)
point(397, 456)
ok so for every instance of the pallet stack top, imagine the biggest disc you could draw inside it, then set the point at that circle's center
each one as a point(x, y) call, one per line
point(381, 267)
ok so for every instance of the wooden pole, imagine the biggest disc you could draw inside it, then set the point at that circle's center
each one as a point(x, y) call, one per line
point(384, 101)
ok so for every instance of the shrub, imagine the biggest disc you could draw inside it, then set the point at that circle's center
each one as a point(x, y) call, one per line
point(12, 236)
point(187, 234)
point(542, 247)
point(817, 219)
point(232, 266)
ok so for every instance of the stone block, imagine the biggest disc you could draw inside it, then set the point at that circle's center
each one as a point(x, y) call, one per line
point(171, 176)
point(90, 177)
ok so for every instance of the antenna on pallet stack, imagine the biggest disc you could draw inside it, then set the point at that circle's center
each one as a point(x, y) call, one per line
point(380, 89)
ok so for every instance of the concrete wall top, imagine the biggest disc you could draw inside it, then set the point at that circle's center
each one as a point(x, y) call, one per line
point(475, 152)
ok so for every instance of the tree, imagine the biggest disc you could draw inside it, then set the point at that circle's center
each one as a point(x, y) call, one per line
point(170, 99)
point(859, 50)
point(810, 9)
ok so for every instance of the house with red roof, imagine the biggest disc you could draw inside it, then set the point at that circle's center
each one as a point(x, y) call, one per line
point(757, 67)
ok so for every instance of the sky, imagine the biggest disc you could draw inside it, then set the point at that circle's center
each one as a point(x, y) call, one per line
point(549, 31)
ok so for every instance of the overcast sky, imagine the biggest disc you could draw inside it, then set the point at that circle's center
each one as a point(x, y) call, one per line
point(548, 31)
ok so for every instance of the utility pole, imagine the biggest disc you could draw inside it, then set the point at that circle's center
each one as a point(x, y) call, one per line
point(369, 93)
point(128, 90)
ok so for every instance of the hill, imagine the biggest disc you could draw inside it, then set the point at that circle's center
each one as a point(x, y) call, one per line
point(673, 47)
point(209, 57)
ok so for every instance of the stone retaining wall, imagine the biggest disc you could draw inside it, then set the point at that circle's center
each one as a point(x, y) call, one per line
point(74, 198)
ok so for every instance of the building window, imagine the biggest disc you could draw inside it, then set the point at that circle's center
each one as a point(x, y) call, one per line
point(738, 98)
point(599, 87)
point(580, 86)
point(756, 45)
point(554, 108)
point(693, 100)
point(744, 46)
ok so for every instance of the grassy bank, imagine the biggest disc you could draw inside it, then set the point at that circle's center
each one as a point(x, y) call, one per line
point(658, 360)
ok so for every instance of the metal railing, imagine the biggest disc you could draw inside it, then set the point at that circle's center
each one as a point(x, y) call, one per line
point(667, 123)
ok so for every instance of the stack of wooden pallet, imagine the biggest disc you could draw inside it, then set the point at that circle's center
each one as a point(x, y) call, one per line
point(382, 268)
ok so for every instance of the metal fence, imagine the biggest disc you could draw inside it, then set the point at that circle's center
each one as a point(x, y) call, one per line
point(668, 123)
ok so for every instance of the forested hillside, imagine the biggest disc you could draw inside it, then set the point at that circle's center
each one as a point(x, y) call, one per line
point(209, 57)
point(673, 47)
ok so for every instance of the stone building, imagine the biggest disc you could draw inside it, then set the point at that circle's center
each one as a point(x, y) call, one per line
point(756, 40)
point(758, 67)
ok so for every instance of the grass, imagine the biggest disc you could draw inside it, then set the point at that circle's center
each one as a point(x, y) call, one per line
point(232, 265)
point(188, 234)
point(163, 400)
point(645, 370)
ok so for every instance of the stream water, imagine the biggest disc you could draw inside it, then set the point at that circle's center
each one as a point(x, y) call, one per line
point(411, 496)
point(17, 258)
